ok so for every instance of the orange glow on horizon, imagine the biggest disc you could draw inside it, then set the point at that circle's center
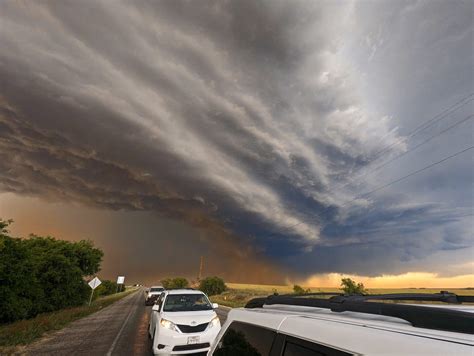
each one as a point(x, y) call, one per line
point(66, 220)
point(406, 280)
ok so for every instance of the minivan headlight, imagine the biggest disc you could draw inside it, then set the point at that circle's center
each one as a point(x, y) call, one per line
point(214, 322)
point(168, 324)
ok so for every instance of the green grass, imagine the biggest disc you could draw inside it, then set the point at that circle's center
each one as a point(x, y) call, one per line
point(23, 332)
point(238, 295)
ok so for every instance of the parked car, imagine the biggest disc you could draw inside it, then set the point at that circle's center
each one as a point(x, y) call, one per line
point(183, 321)
point(348, 325)
point(152, 294)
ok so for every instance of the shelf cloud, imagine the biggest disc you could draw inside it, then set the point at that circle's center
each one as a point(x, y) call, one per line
point(245, 119)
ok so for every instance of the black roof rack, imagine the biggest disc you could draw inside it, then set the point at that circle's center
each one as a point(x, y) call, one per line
point(443, 296)
point(420, 316)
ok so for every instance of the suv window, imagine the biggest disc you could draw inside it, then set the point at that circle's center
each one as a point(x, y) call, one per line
point(245, 339)
point(297, 347)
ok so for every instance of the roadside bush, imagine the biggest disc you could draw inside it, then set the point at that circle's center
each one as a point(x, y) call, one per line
point(106, 288)
point(212, 285)
point(175, 283)
point(166, 282)
point(351, 287)
point(42, 274)
point(300, 290)
point(18, 286)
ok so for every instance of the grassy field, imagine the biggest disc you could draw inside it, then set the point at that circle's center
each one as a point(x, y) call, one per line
point(239, 294)
point(23, 332)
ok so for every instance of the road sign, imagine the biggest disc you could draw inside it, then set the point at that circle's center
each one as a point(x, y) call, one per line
point(120, 280)
point(95, 283)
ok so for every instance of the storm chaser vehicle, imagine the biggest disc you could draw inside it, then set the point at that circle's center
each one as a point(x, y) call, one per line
point(152, 295)
point(183, 321)
point(329, 324)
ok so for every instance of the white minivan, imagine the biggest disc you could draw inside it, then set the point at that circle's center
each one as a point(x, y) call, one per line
point(183, 321)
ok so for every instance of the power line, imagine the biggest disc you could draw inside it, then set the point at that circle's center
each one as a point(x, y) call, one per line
point(365, 195)
point(416, 147)
point(408, 224)
point(413, 173)
point(430, 122)
point(418, 129)
point(442, 113)
point(411, 135)
point(423, 126)
point(388, 184)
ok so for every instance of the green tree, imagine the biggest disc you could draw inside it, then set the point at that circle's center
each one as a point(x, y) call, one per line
point(41, 274)
point(175, 283)
point(166, 282)
point(300, 290)
point(19, 287)
point(61, 267)
point(3, 226)
point(106, 288)
point(351, 287)
point(212, 285)
point(180, 282)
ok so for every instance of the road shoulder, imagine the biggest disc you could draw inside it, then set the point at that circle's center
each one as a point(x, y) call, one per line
point(18, 337)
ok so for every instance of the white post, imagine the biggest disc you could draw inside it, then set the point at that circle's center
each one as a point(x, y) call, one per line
point(90, 299)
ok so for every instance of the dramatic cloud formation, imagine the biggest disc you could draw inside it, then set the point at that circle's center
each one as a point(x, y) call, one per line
point(263, 123)
point(140, 245)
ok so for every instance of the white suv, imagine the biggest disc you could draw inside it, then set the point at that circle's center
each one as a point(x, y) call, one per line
point(183, 321)
point(347, 325)
point(152, 295)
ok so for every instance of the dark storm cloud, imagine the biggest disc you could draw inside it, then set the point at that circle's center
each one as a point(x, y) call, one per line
point(141, 245)
point(239, 116)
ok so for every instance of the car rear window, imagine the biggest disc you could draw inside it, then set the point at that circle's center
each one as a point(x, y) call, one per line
point(245, 339)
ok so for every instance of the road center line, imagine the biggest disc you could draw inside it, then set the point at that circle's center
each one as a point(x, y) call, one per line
point(112, 347)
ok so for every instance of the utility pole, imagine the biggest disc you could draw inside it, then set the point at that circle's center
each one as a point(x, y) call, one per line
point(201, 265)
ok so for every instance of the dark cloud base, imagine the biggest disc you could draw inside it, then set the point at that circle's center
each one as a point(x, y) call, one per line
point(232, 117)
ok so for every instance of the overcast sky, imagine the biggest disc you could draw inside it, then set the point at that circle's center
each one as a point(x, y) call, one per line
point(269, 136)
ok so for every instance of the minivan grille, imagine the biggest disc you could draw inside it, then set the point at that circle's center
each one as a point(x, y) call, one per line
point(191, 347)
point(192, 329)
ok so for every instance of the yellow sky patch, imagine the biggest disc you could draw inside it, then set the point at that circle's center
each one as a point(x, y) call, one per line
point(406, 280)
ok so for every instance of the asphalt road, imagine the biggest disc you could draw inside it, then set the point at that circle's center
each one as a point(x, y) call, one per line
point(120, 329)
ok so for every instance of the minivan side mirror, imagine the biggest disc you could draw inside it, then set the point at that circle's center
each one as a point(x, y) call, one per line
point(156, 307)
point(215, 305)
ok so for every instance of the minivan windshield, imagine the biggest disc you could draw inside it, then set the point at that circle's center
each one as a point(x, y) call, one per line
point(186, 302)
point(159, 289)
